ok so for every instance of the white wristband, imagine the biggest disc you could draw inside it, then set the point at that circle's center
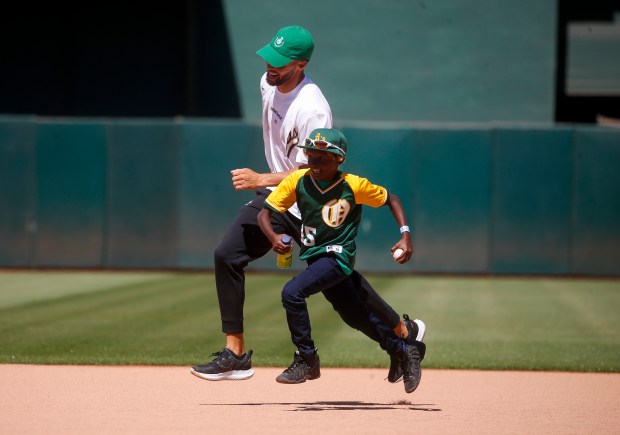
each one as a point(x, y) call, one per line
point(404, 228)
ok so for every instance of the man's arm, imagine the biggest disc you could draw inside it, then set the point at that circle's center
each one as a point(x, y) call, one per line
point(247, 179)
point(396, 207)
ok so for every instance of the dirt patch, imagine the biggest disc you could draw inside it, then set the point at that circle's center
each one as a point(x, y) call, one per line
point(166, 400)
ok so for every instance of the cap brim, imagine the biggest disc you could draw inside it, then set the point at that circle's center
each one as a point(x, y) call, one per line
point(272, 57)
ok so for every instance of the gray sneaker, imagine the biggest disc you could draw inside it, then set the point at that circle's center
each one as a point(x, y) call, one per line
point(226, 365)
point(301, 369)
point(417, 330)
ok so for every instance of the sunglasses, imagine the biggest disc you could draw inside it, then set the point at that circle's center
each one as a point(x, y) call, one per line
point(322, 145)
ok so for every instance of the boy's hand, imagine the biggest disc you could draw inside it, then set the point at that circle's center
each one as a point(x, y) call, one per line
point(405, 245)
point(278, 246)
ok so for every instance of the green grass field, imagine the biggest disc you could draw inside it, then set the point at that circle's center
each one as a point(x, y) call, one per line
point(168, 318)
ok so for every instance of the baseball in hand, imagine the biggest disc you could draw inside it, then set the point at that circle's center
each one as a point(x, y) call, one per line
point(397, 253)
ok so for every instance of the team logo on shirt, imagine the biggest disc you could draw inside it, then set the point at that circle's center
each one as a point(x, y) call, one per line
point(291, 141)
point(335, 212)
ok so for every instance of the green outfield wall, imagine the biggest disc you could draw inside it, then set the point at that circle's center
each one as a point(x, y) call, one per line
point(482, 198)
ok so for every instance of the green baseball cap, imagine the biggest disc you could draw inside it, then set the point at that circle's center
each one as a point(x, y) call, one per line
point(327, 139)
point(290, 43)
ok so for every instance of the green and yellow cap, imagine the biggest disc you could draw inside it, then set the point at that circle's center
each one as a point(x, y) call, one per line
point(327, 139)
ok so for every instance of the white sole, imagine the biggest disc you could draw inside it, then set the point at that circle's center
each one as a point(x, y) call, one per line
point(233, 375)
point(421, 329)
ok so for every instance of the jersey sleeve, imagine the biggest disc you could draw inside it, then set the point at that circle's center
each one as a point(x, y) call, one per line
point(285, 195)
point(367, 193)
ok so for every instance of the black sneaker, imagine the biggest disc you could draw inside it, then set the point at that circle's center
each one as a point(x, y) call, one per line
point(410, 364)
point(417, 330)
point(301, 369)
point(226, 365)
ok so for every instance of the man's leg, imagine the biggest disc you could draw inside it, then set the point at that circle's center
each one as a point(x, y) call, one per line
point(243, 242)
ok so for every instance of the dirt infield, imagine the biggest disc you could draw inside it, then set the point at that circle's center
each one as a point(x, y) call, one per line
point(168, 400)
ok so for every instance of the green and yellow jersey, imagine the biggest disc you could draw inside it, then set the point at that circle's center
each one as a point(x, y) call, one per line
point(330, 212)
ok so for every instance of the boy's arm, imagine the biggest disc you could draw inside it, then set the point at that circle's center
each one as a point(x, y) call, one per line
point(264, 221)
point(396, 207)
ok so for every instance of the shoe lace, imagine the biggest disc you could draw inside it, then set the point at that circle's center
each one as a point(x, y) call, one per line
point(297, 361)
point(217, 355)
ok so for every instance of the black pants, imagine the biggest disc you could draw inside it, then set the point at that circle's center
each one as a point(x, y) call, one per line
point(244, 242)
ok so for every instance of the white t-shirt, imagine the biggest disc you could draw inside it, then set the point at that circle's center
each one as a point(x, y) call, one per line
point(289, 119)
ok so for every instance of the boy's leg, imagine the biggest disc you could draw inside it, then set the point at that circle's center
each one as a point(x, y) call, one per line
point(380, 307)
point(366, 292)
point(374, 301)
point(355, 312)
point(318, 276)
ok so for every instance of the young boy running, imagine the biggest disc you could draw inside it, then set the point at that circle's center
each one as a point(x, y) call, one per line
point(331, 202)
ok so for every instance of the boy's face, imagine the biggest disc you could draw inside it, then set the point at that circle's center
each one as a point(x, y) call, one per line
point(323, 164)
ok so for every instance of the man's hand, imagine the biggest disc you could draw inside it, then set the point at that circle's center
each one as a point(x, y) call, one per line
point(246, 179)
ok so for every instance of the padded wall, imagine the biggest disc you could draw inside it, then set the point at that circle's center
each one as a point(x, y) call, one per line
point(17, 191)
point(451, 216)
point(157, 194)
point(532, 191)
point(142, 194)
point(70, 200)
point(596, 218)
point(208, 201)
